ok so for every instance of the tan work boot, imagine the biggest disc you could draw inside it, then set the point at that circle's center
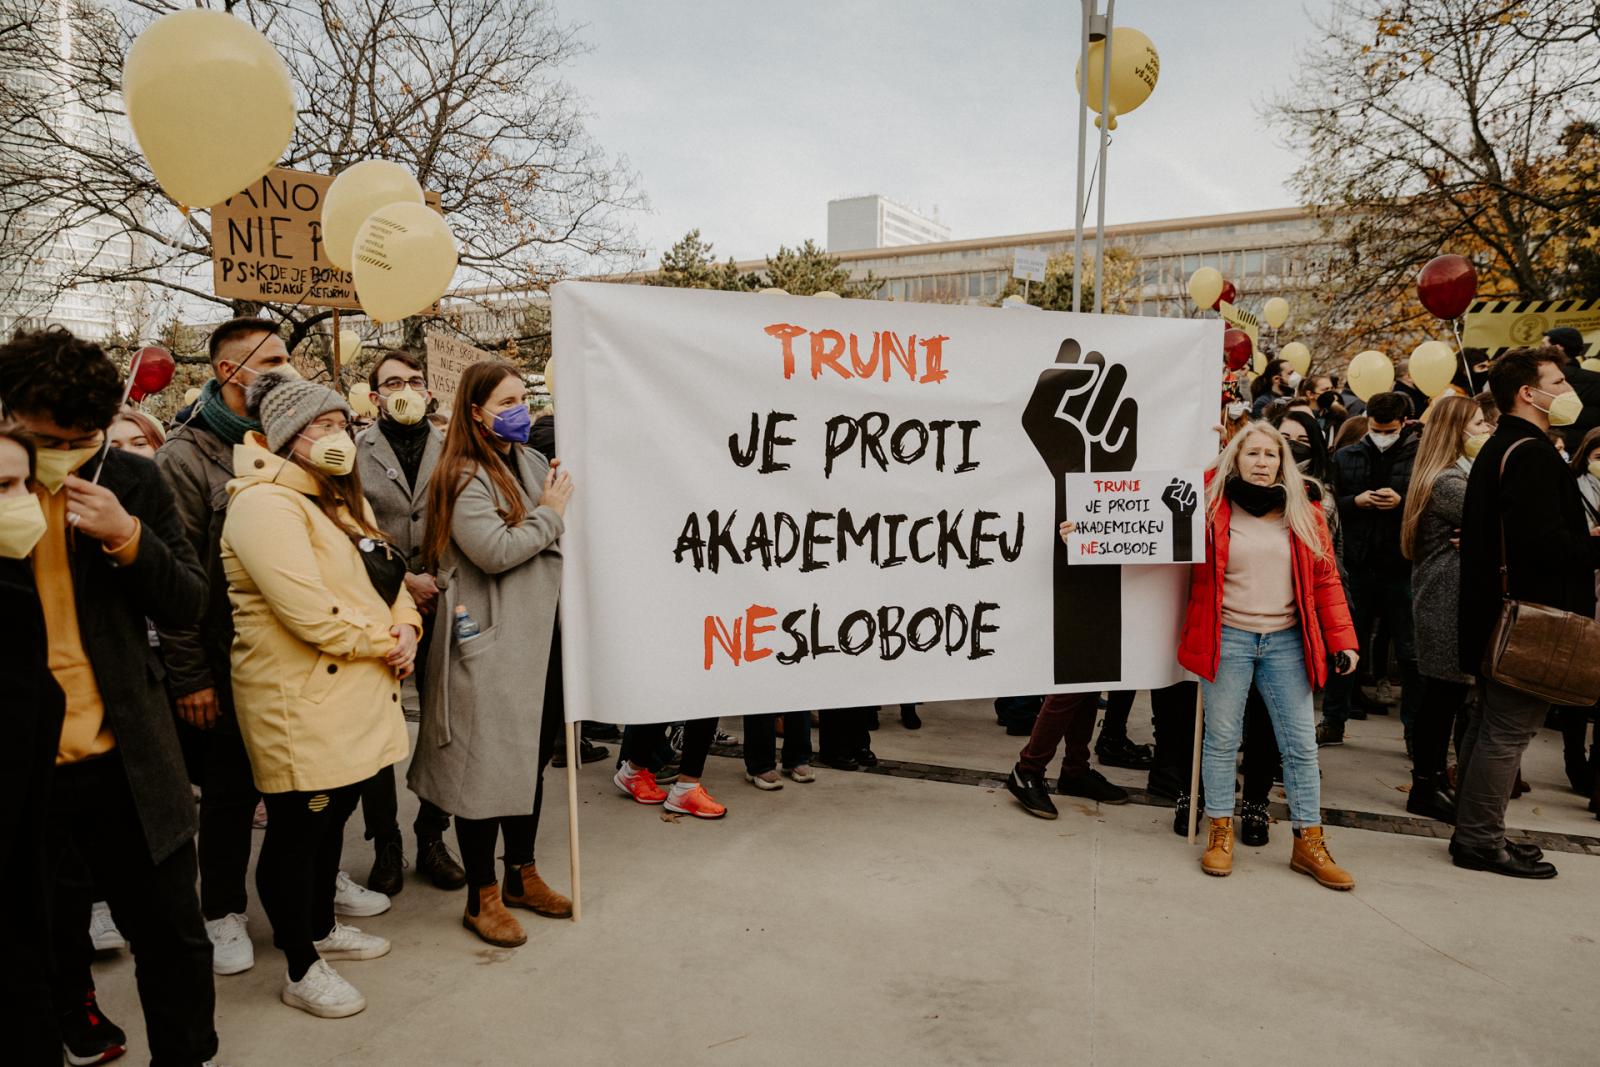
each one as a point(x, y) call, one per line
point(1311, 857)
point(493, 922)
point(1218, 856)
point(525, 889)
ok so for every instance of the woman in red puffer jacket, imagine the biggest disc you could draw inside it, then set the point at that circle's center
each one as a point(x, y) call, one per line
point(1266, 608)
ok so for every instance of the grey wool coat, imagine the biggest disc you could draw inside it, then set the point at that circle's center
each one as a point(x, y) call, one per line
point(401, 509)
point(477, 752)
point(1436, 578)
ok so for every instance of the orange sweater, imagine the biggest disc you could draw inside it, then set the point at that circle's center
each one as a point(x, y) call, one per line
point(84, 732)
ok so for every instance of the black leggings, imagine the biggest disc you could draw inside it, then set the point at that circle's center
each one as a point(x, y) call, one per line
point(640, 744)
point(1119, 702)
point(476, 837)
point(1441, 702)
point(1260, 749)
point(299, 865)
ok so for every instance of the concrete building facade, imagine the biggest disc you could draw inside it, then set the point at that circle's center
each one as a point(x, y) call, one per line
point(866, 222)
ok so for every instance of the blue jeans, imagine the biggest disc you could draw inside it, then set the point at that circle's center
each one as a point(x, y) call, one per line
point(1276, 664)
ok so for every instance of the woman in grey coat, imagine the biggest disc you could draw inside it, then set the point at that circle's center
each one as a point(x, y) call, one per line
point(493, 707)
point(1429, 537)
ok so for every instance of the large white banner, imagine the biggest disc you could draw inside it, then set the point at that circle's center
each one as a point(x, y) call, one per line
point(787, 502)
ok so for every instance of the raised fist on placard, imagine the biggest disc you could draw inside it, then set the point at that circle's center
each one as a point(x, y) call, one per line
point(1182, 500)
point(1081, 419)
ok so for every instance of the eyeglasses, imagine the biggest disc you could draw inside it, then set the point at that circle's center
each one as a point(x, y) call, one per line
point(325, 428)
point(394, 385)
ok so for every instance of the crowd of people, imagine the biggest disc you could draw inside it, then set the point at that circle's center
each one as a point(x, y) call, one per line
point(215, 621)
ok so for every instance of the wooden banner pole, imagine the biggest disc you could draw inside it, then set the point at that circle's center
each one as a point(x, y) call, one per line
point(1194, 765)
point(572, 817)
point(337, 382)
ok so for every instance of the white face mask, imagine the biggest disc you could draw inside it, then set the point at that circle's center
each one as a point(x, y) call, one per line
point(1235, 411)
point(1384, 441)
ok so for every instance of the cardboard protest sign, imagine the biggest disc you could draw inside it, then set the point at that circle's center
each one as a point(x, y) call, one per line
point(448, 357)
point(1498, 324)
point(789, 503)
point(1141, 517)
point(266, 243)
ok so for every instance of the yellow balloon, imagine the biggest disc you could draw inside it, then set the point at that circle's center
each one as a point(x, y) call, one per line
point(1258, 363)
point(1298, 355)
point(1134, 70)
point(405, 258)
point(1275, 313)
point(349, 345)
point(1370, 373)
point(357, 192)
point(190, 395)
point(360, 397)
point(1432, 366)
point(1205, 285)
point(550, 376)
point(827, 294)
point(210, 102)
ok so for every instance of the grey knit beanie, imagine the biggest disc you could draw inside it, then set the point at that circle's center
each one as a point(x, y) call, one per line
point(285, 405)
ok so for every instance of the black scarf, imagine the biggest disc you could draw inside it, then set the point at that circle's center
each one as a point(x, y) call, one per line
point(408, 442)
point(1258, 500)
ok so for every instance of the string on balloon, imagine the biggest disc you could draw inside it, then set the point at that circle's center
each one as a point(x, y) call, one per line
point(1461, 354)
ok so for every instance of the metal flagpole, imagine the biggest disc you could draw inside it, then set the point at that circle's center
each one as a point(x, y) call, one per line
point(1105, 140)
point(1083, 146)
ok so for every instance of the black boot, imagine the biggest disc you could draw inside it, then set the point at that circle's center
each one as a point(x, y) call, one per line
point(1253, 820)
point(909, 717)
point(1431, 798)
point(388, 867)
point(1122, 752)
point(1180, 814)
point(435, 861)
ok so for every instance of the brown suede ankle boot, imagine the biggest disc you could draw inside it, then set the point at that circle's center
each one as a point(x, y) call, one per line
point(1311, 857)
point(493, 922)
point(525, 889)
point(1218, 856)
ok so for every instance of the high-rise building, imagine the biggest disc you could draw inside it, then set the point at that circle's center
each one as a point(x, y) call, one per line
point(861, 222)
point(34, 277)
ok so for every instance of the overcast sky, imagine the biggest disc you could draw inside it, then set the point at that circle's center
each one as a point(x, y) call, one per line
point(745, 117)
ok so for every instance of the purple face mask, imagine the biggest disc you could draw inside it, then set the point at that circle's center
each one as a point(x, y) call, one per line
point(513, 424)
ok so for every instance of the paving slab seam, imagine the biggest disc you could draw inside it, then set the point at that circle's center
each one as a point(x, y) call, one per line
point(1378, 822)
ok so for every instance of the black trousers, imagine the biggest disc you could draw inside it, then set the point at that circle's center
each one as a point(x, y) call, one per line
point(380, 797)
point(843, 731)
point(761, 741)
point(641, 743)
point(228, 798)
point(299, 865)
point(476, 837)
point(153, 904)
point(1441, 703)
point(1260, 749)
point(1172, 713)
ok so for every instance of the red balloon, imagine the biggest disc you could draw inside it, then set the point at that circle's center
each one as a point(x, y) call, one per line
point(1236, 349)
point(152, 372)
point(1229, 294)
point(1447, 285)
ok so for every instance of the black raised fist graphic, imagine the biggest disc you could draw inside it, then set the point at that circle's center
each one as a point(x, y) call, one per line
point(1181, 499)
point(1080, 419)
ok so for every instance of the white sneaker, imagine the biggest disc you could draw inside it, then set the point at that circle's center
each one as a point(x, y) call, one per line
point(323, 993)
point(349, 943)
point(356, 900)
point(231, 950)
point(102, 931)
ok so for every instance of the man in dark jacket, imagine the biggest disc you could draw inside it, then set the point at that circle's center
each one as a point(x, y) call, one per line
point(1586, 383)
point(1371, 478)
point(112, 556)
point(1550, 555)
point(197, 461)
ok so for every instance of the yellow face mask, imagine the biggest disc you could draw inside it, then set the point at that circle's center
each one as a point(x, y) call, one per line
point(21, 525)
point(1474, 444)
point(334, 454)
point(1564, 408)
point(52, 465)
point(1594, 469)
point(407, 406)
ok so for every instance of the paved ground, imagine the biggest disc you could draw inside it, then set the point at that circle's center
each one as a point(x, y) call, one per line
point(872, 919)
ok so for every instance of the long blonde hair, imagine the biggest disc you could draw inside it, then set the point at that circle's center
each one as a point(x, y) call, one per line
point(1304, 518)
point(1440, 447)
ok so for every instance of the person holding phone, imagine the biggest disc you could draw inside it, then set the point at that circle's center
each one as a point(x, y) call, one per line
point(324, 632)
point(1266, 608)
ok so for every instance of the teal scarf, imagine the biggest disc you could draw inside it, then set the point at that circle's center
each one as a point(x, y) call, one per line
point(221, 420)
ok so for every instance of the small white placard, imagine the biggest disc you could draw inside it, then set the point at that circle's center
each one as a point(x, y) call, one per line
point(1138, 517)
point(1028, 266)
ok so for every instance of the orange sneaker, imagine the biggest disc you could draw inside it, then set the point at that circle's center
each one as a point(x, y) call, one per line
point(640, 785)
point(696, 802)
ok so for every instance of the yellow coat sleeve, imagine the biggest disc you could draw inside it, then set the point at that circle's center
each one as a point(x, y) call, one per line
point(271, 539)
